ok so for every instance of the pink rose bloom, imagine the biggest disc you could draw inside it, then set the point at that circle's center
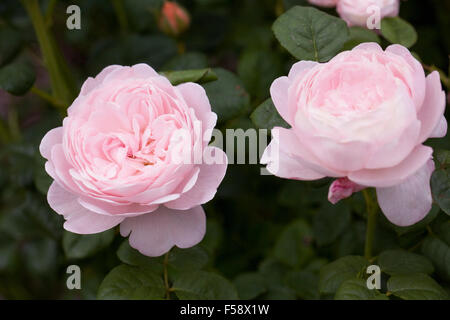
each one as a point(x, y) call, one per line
point(362, 118)
point(324, 3)
point(113, 160)
point(357, 12)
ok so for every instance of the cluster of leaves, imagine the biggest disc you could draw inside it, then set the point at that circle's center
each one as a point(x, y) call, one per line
point(267, 238)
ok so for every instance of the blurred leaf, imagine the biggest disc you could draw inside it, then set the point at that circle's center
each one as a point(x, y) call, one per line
point(78, 246)
point(199, 76)
point(8, 252)
point(258, 68)
point(416, 286)
point(17, 78)
point(440, 180)
point(304, 283)
point(330, 222)
point(397, 30)
point(294, 246)
point(250, 285)
point(356, 289)
point(186, 61)
point(335, 273)
point(395, 262)
point(310, 34)
point(142, 13)
point(360, 35)
point(40, 256)
point(266, 116)
point(202, 285)
point(42, 180)
point(439, 253)
point(154, 50)
point(213, 236)
point(128, 282)
point(10, 44)
point(227, 95)
point(274, 274)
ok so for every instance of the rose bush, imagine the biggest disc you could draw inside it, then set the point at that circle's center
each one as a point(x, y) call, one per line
point(114, 159)
point(362, 117)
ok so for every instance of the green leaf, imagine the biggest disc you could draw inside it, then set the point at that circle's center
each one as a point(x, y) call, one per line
point(193, 258)
point(199, 76)
point(258, 68)
point(417, 286)
point(294, 246)
point(227, 95)
point(440, 180)
point(274, 273)
point(335, 273)
point(397, 30)
point(17, 78)
point(356, 289)
point(250, 285)
point(310, 34)
point(186, 61)
point(395, 262)
point(304, 283)
point(330, 222)
point(78, 246)
point(202, 285)
point(128, 282)
point(133, 257)
point(360, 35)
point(10, 44)
point(439, 253)
point(266, 116)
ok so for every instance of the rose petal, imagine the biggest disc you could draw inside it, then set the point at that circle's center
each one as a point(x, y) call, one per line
point(205, 188)
point(155, 233)
point(78, 219)
point(50, 139)
point(388, 177)
point(409, 202)
point(342, 188)
point(433, 106)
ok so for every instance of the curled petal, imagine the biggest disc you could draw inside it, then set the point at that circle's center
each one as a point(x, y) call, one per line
point(342, 188)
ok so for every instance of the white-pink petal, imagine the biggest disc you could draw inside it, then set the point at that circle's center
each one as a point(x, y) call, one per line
point(433, 106)
point(208, 181)
point(410, 201)
point(78, 219)
point(156, 233)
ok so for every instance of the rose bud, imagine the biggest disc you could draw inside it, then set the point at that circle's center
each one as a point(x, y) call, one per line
point(358, 12)
point(324, 3)
point(117, 159)
point(173, 19)
point(362, 118)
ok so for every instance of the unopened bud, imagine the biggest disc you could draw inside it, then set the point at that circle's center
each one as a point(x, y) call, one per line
point(173, 19)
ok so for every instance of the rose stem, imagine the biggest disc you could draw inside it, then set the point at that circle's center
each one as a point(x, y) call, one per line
point(372, 208)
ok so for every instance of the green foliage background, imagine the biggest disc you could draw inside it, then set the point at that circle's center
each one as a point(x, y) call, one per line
point(267, 238)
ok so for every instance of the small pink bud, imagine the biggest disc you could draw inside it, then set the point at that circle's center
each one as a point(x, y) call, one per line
point(173, 19)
